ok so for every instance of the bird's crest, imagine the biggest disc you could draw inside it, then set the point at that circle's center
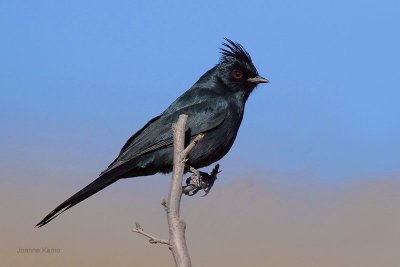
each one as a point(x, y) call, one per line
point(235, 50)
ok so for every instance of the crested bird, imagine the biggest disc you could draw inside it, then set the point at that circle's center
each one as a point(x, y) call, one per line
point(214, 105)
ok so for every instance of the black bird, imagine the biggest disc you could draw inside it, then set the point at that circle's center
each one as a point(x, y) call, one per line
point(214, 105)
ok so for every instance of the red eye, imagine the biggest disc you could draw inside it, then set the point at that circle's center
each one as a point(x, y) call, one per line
point(237, 74)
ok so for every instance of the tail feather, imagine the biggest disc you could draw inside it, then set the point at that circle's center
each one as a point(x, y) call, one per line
point(89, 190)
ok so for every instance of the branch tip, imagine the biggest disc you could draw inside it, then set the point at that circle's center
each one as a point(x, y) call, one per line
point(152, 239)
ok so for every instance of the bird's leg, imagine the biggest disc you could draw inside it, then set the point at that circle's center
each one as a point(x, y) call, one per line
point(195, 178)
point(200, 181)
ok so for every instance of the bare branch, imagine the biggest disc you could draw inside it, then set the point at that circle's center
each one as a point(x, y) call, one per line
point(177, 242)
point(176, 225)
point(190, 147)
point(152, 239)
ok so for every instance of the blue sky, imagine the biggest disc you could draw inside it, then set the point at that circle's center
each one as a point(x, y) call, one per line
point(79, 77)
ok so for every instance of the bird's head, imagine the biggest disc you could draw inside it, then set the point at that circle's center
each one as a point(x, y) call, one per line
point(236, 69)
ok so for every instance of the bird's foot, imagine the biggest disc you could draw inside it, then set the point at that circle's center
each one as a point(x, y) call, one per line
point(200, 181)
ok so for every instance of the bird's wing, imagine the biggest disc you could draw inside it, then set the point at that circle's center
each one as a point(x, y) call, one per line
point(157, 133)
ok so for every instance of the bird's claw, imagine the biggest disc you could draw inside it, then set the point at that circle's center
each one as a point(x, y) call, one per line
point(200, 181)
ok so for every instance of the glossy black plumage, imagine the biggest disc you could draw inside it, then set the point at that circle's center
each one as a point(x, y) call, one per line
point(214, 105)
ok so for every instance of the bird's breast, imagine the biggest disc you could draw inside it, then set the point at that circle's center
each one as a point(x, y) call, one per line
point(217, 142)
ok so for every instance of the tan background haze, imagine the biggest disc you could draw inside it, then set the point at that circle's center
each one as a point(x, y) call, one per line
point(241, 223)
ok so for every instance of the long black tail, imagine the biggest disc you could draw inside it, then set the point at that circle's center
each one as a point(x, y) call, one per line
point(92, 188)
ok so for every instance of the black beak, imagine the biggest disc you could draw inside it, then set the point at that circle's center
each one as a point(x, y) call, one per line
point(258, 79)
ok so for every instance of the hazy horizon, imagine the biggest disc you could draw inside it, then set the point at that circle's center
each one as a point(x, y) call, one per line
point(240, 223)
